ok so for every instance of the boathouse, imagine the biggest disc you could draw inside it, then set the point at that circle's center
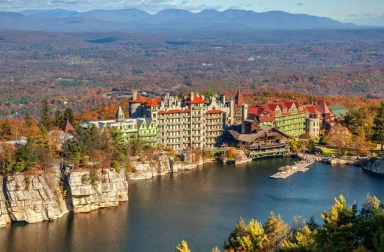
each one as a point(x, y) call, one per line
point(266, 142)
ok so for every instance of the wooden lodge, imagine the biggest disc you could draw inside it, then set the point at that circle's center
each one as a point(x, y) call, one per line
point(266, 142)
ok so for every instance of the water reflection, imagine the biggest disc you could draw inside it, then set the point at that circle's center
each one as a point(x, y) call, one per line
point(200, 206)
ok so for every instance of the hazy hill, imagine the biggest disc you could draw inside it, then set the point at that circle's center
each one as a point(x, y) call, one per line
point(167, 20)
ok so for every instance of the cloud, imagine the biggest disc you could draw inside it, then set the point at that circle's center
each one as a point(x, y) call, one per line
point(300, 4)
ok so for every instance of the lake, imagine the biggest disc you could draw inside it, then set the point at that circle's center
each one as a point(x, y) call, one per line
point(200, 206)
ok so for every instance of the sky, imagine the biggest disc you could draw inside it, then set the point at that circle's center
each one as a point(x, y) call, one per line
point(367, 12)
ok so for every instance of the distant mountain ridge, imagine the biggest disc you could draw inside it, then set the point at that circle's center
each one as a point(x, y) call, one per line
point(59, 20)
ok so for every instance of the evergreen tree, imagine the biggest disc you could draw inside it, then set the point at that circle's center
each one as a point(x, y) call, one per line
point(276, 229)
point(45, 120)
point(256, 234)
point(239, 231)
point(370, 223)
point(378, 126)
point(59, 119)
point(338, 232)
point(183, 247)
point(303, 239)
point(68, 115)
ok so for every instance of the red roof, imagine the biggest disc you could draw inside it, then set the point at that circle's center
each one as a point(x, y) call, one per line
point(196, 100)
point(239, 99)
point(214, 111)
point(266, 118)
point(139, 99)
point(311, 109)
point(228, 94)
point(69, 128)
point(174, 111)
point(153, 102)
point(271, 107)
point(322, 106)
point(255, 110)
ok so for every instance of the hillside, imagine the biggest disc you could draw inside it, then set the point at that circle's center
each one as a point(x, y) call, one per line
point(170, 20)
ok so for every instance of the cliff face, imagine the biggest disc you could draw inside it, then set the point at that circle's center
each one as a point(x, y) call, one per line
point(161, 165)
point(4, 216)
point(375, 165)
point(98, 189)
point(145, 170)
point(30, 199)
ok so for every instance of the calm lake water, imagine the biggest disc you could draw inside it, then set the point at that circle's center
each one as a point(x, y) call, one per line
point(200, 206)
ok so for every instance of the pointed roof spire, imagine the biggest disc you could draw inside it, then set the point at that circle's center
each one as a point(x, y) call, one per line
point(239, 99)
point(322, 106)
point(68, 128)
point(119, 116)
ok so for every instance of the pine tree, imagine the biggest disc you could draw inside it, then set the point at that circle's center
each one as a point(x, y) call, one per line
point(276, 230)
point(239, 231)
point(303, 239)
point(378, 126)
point(59, 120)
point(45, 120)
point(338, 232)
point(68, 115)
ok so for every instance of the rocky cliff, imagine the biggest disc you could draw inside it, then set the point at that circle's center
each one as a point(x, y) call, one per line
point(90, 190)
point(375, 165)
point(4, 215)
point(31, 199)
point(160, 165)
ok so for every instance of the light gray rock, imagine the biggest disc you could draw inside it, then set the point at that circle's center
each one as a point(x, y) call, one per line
point(31, 199)
point(181, 166)
point(4, 215)
point(103, 188)
point(148, 169)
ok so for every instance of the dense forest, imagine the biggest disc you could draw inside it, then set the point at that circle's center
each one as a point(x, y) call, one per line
point(87, 71)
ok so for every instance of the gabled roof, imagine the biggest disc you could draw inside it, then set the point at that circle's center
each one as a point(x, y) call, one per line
point(251, 137)
point(260, 109)
point(196, 99)
point(239, 99)
point(119, 114)
point(139, 99)
point(322, 106)
point(153, 102)
point(256, 110)
point(227, 94)
point(68, 128)
point(311, 109)
point(339, 110)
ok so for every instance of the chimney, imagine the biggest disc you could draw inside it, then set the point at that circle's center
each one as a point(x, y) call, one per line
point(223, 99)
point(244, 115)
point(134, 95)
point(192, 96)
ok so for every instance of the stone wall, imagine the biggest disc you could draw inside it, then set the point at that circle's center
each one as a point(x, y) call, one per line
point(30, 199)
point(98, 189)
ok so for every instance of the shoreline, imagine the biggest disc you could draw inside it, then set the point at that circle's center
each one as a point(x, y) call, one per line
point(81, 195)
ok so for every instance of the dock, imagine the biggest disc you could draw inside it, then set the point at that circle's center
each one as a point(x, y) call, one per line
point(286, 171)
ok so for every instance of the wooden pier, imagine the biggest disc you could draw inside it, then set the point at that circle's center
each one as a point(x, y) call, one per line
point(286, 171)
